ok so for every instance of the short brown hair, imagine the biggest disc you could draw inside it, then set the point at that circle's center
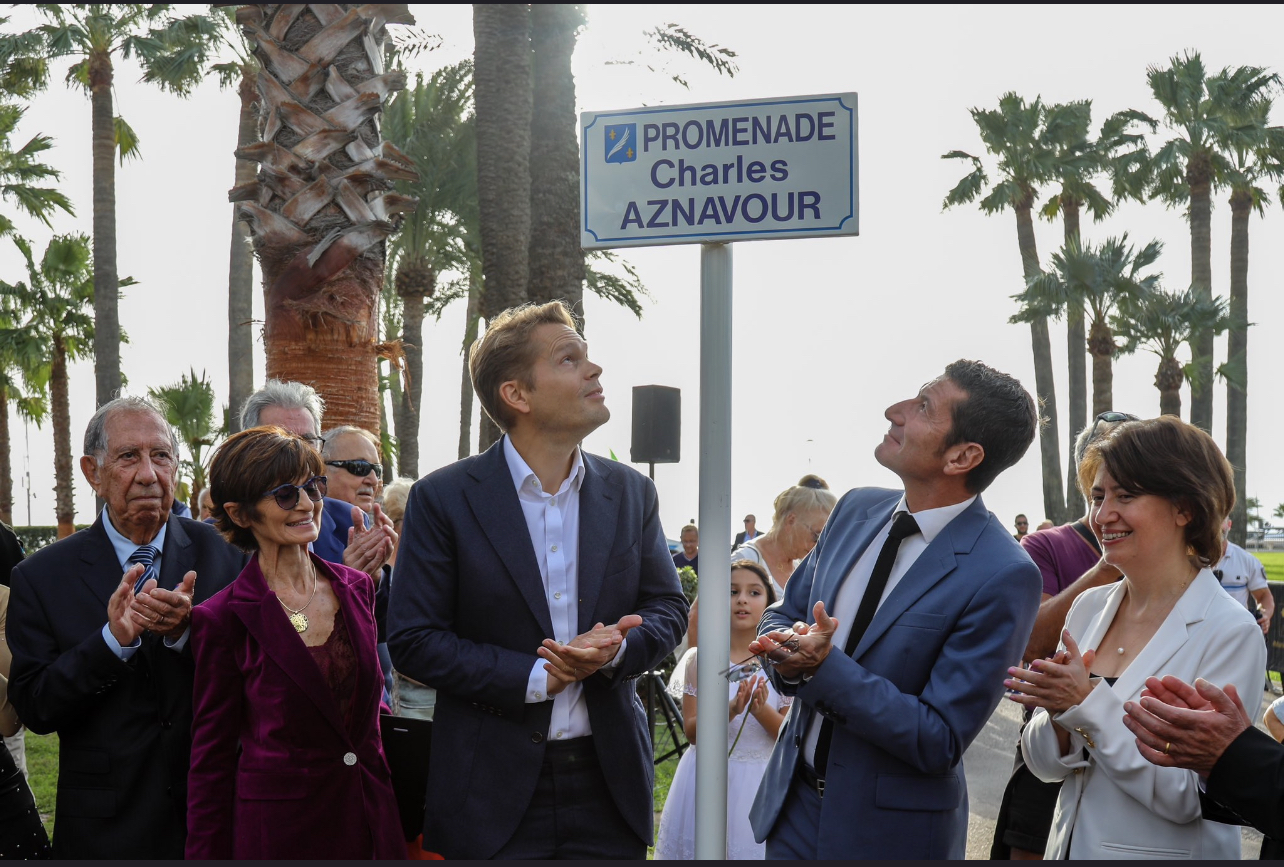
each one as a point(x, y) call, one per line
point(1169, 458)
point(505, 352)
point(247, 466)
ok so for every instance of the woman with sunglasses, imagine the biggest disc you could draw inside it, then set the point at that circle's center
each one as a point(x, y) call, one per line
point(286, 756)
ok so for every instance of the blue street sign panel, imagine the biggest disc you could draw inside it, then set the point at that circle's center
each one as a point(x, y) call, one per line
point(735, 171)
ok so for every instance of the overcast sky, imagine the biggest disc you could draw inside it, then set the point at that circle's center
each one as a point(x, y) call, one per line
point(827, 332)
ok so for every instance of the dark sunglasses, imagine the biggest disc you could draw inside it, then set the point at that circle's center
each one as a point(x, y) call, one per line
point(357, 468)
point(1110, 417)
point(287, 496)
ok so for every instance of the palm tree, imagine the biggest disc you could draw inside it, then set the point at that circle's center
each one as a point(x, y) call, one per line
point(1255, 153)
point(1202, 110)
point(31, 407)
point(431, 124)
point(321, 208)
point(556, 258)
point(173, 52)
point(189, 409)
point(1160, 322)
point(52, 328)
point(242, 73)
point(21, 172)
point(1024, 138)
point(1100, 279)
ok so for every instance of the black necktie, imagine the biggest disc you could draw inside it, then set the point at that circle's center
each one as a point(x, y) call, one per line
point(903, 526)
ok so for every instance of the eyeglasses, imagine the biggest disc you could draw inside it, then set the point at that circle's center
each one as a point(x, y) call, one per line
point(313, 440)
point(357, 468)
point(815, 534)
point(1110, 417)
point(1023, 523)
point(287, 496)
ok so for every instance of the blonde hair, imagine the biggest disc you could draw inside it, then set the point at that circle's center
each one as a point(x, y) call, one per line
point(811, 494)
point(505, 353)
point(395, 496)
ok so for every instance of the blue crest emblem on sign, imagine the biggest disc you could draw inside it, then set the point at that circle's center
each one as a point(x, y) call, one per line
point(621, 142)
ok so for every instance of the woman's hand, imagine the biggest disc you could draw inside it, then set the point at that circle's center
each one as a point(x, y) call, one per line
point(758, 699)
point(1055, 684)
point(744, 693)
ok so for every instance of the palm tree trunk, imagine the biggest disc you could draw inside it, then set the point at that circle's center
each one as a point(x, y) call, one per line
point(1198, 176)
point(385, 433)
point(1054, 502)
point(6, 461)
point(1101, 344)
point(321, 211)
point(1168, 379)
point(106, 287)
point(240, 271)
point(466, 386)
point(1076, 344)
point(556, 259)
point(407, 411)
point(64, 506)
point(1237, 363)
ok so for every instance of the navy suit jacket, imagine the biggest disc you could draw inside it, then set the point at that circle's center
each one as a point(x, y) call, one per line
point(336, 521)
point(917, 689)
point(468, 612)
point(124, 728)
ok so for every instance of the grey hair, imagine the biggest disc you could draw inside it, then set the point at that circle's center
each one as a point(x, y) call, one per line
point(333, 434)
point(96, 431)
point(395, 496)
point(287, 395)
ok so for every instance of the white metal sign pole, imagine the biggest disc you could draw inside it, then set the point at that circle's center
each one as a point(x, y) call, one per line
point(715, 580)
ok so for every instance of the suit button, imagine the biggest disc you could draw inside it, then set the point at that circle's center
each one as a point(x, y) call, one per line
point(537, 738)
point(349, 759)
point(166, 724)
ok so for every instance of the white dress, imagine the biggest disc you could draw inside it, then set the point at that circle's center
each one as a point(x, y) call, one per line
point(745, 767)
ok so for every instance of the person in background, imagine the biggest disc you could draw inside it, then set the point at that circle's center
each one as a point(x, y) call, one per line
point(690, 553)
point(98, 623)
point(11, 554)
point(286, 755)
point(750, 532)
point(1022, 527)
point(1044, 525)
point(22, 835)
point(1160, 490)
point(1244, 577)
point(206, 504)
point(409, 697)
point(345, 535)
point(1069, 559)
point(755, 712)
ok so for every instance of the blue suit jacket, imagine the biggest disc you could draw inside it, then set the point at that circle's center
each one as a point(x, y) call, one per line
point(918, 688)
point(336, 521)
point(468, 612)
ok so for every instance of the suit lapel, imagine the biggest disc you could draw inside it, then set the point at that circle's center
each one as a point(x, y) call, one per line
point(936, 561)
point(499, 514)
point(264, 619)
point(178, 557)
point(599, 512)
point(854, 539)
point(102, 572)
point(1171, 634)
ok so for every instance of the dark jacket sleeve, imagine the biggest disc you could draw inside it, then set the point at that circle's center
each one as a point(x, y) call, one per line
point(49, 688)
point(217, 701)
point(660, 603)
point(1249, 779)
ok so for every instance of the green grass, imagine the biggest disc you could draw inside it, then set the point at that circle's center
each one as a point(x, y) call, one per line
point(1274, 563)
point(42, 773)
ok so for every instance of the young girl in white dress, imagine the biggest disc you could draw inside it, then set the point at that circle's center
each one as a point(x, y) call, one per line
point(755, 712)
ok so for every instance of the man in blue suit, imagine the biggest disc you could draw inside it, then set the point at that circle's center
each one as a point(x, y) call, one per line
point(533, 583)
point(931, 601)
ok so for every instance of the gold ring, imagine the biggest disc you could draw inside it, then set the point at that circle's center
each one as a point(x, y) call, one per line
point(1166, 746)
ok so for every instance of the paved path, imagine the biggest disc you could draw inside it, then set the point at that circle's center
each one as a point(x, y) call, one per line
point(988, 764)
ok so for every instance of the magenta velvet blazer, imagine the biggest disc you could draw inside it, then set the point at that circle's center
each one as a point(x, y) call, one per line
point(304, 785)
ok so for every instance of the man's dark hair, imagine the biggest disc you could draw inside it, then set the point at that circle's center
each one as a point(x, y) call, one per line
point(997, 414)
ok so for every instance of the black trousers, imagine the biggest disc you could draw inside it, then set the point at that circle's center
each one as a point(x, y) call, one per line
point(573, 814)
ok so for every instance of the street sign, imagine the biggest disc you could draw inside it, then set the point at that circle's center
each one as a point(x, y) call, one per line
point(720, 171)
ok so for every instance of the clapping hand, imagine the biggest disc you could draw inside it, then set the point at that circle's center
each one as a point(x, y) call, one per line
point(369, 549)
point(165, 612)
point(746, 694)
point(584, 654)
point(1055, 684)
point(1184, 726)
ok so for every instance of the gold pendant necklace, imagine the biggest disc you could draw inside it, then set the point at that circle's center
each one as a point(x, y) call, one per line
point(298, 619)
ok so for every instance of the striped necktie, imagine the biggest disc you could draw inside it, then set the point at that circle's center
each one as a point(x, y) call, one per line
point(147, 556)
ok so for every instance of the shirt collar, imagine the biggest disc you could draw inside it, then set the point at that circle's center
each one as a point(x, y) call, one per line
point(932, 521)
point(126, 547)
point(523, 475)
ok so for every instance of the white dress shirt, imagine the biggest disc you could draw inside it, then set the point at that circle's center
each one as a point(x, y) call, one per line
point(553, 521)
point(930, 524)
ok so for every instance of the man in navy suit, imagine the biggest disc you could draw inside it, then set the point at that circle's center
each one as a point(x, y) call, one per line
point(931, 601)
point(533, 583)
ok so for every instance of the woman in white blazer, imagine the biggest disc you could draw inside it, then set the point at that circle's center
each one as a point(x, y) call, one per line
point(1160, 490)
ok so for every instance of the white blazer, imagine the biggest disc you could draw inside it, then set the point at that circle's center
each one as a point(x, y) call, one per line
point(1114, 804)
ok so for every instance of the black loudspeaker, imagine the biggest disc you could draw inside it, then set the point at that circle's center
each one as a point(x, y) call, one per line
point(657, 424)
